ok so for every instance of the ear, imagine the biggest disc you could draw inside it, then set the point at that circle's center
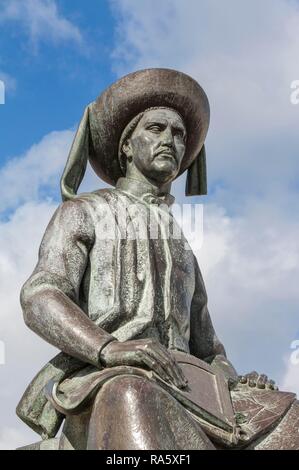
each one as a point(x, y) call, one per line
point(127, 148)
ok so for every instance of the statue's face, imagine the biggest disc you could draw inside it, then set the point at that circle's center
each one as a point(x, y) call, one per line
point(157, 144)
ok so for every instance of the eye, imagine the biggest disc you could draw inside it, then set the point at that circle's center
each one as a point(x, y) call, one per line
point(156, 128)
point(179, 133)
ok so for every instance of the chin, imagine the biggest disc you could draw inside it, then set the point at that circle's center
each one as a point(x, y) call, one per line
point(163, 176)
point(165, 171)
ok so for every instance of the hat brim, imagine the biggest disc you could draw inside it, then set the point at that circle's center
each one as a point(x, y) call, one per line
point(133, 94)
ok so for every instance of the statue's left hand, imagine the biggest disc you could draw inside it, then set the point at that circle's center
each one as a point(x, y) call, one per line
point(261, 381)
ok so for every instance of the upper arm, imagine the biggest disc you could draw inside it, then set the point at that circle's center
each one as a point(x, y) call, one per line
point(63, 254)
point(204, 342)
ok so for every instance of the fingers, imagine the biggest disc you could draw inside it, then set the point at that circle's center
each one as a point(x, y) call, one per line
point(255, 380)
point(242, 379)
point(149, 353)
point(173, 367)
point(252, 383)
point(271, 385)
point(154, 365)
point(248, 379)
point(252, 376)
point(261, 381)
point(167, 363)
point(251, 379)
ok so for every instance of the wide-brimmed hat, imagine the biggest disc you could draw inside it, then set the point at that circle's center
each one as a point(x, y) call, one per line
point(104, 121)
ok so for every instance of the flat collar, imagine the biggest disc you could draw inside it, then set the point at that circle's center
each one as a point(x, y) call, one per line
point(144, 191)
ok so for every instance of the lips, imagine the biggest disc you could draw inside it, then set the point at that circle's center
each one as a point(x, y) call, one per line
point(166, 153)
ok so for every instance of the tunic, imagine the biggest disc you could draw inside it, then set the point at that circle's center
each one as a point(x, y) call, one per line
point(119, 255)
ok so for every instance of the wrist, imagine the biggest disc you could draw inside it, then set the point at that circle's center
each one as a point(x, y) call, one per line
point(101, 353)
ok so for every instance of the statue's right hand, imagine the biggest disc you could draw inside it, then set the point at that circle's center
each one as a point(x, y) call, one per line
point(147, 353)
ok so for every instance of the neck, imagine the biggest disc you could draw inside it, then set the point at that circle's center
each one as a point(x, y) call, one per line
point(134, 174)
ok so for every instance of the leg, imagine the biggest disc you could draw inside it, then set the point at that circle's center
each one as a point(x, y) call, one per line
point(134, 413)
point(74, 432)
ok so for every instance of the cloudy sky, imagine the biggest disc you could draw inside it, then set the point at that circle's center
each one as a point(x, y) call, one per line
point(56, 56)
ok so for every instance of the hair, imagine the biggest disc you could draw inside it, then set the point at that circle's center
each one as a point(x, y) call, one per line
point(128, 131)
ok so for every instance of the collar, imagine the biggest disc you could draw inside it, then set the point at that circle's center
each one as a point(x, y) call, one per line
point(144, 191)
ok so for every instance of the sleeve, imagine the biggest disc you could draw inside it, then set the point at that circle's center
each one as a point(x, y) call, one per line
point(204, 342)
point(50, 297)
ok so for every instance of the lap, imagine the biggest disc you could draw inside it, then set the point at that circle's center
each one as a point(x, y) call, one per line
point(128, 403)
point(132, 402)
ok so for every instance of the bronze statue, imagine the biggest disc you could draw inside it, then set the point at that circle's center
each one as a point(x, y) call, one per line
point(141, 366)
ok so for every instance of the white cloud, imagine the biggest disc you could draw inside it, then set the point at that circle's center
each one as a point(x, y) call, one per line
point(37, 172)
point(245, 57)
point(10, 82)
point(12, 438)
point(41, 20)
point(22, 181)
point(22, 178)
point(25, 353)
point(242, 282)
point(251, 277)
point(246, 273)
point(291, 378)
point(250, 253)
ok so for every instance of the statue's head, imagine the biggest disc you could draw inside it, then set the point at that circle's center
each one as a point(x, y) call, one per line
point(154, 142)
point(153, 120)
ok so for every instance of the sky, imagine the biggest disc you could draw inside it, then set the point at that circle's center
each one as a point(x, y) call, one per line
point(57, 56)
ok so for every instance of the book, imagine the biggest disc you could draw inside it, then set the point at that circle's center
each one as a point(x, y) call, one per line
point(206, 397)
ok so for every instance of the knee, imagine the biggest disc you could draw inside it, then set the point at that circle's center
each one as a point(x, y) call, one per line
point(124, 415)
point(126, 391)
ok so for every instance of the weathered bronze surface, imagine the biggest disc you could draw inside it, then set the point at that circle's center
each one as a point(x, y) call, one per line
point(140, 365)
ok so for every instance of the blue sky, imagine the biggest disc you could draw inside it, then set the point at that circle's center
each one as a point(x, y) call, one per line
point(56, 56)
point(53, 77)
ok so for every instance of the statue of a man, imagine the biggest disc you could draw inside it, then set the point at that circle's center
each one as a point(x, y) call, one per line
point(119, 305)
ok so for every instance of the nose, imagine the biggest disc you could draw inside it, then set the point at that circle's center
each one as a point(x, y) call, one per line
point(167, 138)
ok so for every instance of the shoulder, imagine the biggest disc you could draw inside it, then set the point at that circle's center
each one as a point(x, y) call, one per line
point(94, 200)
point(83, 205)
point(80, 214)
point(73, 219)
